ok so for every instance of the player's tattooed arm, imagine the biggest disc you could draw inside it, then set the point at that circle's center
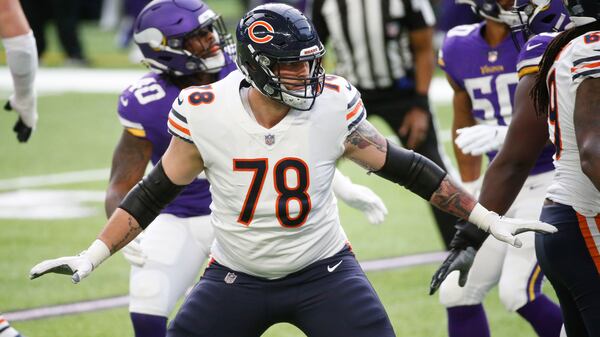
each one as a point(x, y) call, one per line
point(130, 159)
point(120, 230)
point(366, 146)
point(452, 199)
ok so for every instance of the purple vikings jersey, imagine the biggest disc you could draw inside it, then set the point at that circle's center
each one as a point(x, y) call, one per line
point(489, 76)
point(143, 111)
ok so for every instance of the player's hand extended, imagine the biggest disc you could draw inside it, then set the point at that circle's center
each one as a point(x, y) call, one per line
point(460, 259)
point(134, 253)
point(479, 139)
point(505, 229)
point(27, 110)
point(78, 267)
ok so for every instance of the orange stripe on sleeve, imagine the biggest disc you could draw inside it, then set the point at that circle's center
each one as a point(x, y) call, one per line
point(179, 127)
point(355, 110)
point(589, 240)
point(584, 66)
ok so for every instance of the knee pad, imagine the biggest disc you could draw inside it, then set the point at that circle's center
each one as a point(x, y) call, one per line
point(149, 292)
point(512, 298)
point(521, 275)
point(452, 295)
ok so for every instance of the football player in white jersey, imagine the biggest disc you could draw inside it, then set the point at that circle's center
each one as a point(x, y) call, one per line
point(567, 91)
point(22, 60)
point(166, 261)
point(268, 138)
point(484, 90)
point(570, 259)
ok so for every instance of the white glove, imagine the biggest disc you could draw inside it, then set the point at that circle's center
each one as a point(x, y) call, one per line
point(79, 266)
point(359, 197)
point(27, 109)
point(479, 139)
point(505, 229)
point(134, 253)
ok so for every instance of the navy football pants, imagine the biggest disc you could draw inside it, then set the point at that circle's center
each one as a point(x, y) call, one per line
point(567, 259)
point(320, 303)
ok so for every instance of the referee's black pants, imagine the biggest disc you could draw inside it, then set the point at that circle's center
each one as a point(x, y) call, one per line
point(392, 105)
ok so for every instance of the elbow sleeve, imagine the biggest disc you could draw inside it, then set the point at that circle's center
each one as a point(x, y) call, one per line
point(147, 199)
point(413, 171)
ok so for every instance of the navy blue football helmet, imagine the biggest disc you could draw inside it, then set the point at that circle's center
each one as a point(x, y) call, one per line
point(275, 34)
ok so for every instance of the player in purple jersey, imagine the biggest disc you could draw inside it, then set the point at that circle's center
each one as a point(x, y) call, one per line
point(189, 46)
point(167, 260)
point(484, 92)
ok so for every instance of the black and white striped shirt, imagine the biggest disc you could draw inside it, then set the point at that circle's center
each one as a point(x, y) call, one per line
point(370, 37)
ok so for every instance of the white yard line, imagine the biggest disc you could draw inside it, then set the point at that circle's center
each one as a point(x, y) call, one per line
point(54, 179)
point(122, 301)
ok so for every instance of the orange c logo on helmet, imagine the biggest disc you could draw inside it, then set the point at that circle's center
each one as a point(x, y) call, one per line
point(263, 39)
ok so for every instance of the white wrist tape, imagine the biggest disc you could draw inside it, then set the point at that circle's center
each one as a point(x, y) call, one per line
point(482, 218)
point(97, 253)
point(22, 59)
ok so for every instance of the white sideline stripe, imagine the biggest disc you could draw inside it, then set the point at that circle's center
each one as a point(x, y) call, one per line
point(122, 301)
point(53, 80)
point(67, 309)
point(55, 179)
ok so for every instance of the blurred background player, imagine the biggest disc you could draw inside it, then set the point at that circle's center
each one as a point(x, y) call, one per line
point(184, 43)
point(65, 14)
point(484, 89)
point(387, 53)
point(22, 60)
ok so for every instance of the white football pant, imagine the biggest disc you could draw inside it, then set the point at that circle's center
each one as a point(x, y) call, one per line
point(176, 249)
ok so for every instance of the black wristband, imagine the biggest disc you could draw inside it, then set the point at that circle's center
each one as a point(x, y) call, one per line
point(415, 172)
point(468, 235)
point(421, 101)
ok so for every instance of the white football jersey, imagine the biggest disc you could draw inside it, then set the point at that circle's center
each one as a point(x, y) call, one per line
point(578, 60)
point(273, 207)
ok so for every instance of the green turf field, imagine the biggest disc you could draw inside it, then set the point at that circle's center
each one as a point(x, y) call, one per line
point(77, 132)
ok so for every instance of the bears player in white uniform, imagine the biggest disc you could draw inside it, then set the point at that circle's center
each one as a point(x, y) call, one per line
point(568, 260)
point(168, 258)
point(567, 92)
point(22, 60)
point(267, 138)
point(483, 94)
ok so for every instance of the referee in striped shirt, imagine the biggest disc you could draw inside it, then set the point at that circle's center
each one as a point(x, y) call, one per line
point(384, 48)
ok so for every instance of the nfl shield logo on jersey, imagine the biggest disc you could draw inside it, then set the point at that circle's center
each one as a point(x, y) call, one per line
point(269, 139)
point(492, 56)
